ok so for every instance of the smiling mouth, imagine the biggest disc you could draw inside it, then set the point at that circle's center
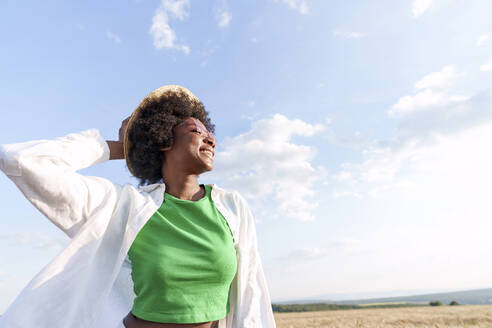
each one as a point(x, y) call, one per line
point(208, 152)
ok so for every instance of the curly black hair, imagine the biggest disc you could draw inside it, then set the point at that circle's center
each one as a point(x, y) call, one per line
point(152, 129)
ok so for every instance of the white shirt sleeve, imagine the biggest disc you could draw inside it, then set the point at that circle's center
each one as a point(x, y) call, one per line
point(254, 308)
point(45, 172)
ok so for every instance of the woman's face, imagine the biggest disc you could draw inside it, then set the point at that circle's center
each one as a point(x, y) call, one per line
point(193, 147)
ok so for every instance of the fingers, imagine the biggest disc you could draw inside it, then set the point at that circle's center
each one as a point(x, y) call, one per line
point(121, 131)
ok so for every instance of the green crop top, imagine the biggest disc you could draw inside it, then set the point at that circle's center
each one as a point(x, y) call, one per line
point(183, 262)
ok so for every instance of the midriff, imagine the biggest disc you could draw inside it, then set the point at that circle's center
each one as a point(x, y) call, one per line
point(131, 321)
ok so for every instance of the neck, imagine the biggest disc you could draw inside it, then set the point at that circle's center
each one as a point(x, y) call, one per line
point(182, 185)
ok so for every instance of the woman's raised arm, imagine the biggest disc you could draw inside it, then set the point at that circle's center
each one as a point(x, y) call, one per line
point(45, 172)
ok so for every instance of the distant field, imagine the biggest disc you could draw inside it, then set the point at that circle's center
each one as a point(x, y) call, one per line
point(466, 316)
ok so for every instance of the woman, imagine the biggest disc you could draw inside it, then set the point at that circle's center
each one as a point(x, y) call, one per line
point(171, 253)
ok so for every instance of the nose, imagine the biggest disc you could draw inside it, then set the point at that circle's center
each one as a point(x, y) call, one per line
point(209, 139)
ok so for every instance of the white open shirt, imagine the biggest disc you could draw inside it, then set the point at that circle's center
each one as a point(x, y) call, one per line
point(88, 285)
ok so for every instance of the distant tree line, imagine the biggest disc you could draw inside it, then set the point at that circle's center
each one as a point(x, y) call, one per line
point(333, 307)
point(439, 303)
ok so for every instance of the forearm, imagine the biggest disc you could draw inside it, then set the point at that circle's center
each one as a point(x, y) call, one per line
point(115, 150)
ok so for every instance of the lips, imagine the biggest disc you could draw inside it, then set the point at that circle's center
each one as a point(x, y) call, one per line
point(209, 152)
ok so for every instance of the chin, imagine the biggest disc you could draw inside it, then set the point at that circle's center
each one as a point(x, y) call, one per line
point(205, 168)
point(208, 166)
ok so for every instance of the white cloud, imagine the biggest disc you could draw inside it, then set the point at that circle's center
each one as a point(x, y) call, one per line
point(449, 119)
point(348, 35)
point(310, 253)
point(224, 18)
point(346, 194)
point(177, 8)
point(440, 79)
point(343, 176)
point(113, 37)
point(271, 170)
point(429, 187)
point(483, 39)
point(425, 100)
point(433, 135)
point(439, 163)
point(440, 136)
point(420, 7)
point(162, 33)
point(314, 253)
point(300, 5)
point(487, 67)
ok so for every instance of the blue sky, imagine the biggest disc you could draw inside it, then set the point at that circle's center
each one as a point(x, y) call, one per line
point(359, 131)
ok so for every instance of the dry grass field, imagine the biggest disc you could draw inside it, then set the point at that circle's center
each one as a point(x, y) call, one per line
point(436, 317)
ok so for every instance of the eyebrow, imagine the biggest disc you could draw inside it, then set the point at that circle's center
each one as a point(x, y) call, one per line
point(187, 124)
point(198, 126)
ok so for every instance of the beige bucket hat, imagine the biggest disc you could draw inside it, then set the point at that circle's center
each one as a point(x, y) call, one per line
point(155, 95)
